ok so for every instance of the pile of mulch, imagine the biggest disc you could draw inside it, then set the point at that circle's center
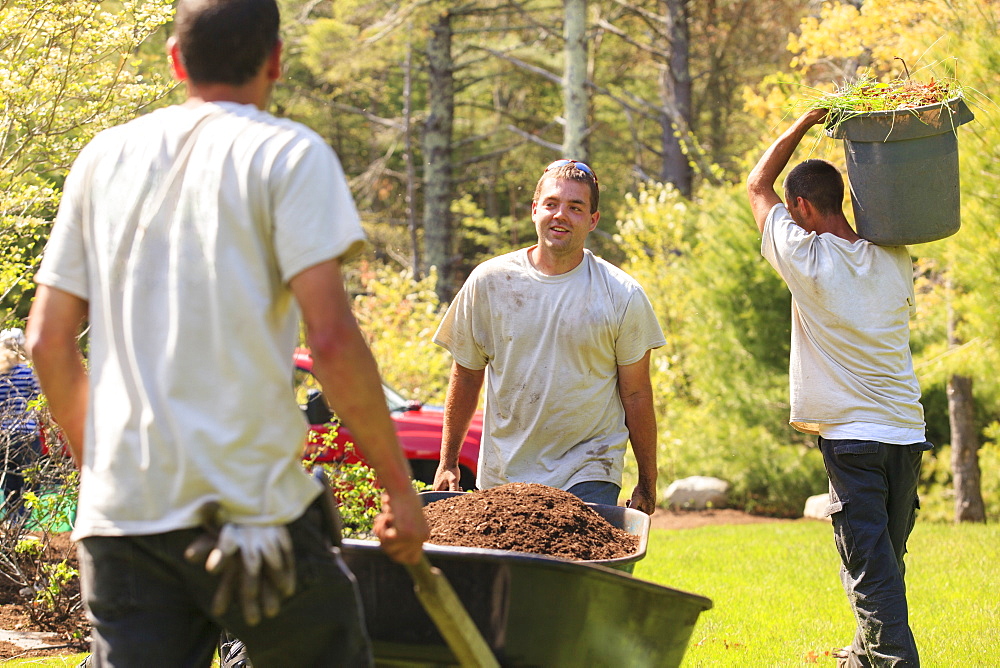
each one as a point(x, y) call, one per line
point(523, 517)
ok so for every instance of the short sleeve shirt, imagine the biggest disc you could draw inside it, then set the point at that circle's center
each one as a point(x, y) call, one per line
point(851, 304)
point(182, 229)
point(551, 347)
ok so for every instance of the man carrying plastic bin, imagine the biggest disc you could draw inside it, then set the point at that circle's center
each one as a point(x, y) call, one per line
point(852, 383)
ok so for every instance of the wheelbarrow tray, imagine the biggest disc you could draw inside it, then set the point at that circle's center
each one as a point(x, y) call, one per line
point(532, 610)
point(629, 520)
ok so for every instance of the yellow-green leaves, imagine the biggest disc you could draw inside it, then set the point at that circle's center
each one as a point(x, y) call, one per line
point(68, 69)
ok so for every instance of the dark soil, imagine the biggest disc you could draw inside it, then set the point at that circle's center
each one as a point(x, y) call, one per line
point(693, 519)
point(524, 517)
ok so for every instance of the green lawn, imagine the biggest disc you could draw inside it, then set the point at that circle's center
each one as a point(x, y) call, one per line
point(779, 602)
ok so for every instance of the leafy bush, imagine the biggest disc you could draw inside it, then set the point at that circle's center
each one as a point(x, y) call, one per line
point(399, 316)
point(29, 557)
point(721, 381)
point(355, 486)
point(937, 491)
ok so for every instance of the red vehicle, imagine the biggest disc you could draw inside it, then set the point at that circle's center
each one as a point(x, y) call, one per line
point(418, 428)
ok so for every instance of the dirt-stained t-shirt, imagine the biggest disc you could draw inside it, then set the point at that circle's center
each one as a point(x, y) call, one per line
point(551, 347)
point(850, 357)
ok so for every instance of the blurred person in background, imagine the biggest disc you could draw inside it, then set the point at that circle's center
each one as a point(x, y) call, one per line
point(21, 444)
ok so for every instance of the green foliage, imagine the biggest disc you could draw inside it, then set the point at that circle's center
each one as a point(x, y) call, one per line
point(68, 69)
point(779, 602)
point(358, 496)
point(53, 596)
point(399, 316)
point(720, 383)
point(937, 489)
point(483, 237)
point(54, 511)
point(354, 484)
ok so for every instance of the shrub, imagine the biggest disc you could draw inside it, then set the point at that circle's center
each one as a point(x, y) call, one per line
point(937, 491)
point(29, 557)
point(399, 316)
point(721, 382)
point(354, 484)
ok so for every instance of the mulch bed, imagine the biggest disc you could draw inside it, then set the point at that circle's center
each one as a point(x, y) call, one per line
point(523, 517)
point(67, 632)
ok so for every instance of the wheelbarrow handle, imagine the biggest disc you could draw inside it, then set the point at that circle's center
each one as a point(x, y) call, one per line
point(450, 616)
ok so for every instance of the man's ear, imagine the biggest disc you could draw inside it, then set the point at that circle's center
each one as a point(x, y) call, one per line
point(176, 63)
point(805, 206)
point(274, 62)
point(594, 217)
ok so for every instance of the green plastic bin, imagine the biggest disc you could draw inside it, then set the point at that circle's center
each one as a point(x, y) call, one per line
point(903, 171)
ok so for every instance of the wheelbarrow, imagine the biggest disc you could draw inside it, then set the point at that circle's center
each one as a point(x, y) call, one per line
point(531, 610)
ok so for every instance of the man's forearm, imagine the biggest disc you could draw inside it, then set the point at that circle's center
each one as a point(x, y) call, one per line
point(636, 392)
point(345, 368)
point(53, 325)
point(64, 381)
point(640, 419)
point(760, 182)
point(464, 386)
point(361, 402)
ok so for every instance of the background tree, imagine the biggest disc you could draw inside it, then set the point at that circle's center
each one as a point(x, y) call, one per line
point(637, 118)
point(68, 69)
point(576, 102)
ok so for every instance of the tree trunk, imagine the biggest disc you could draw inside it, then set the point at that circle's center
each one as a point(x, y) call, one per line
point(575, 100)
point(411, 172)
point(437, 155)
point(964, 439)
point(965, 451)
point(675, 90)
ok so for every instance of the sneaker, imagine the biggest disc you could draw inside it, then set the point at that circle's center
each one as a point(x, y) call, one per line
point(233, 653)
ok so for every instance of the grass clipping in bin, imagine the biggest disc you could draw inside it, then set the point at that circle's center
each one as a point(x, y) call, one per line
point(867, 94)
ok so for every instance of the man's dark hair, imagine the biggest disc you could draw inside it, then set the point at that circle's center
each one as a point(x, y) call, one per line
point(819, 182)
point(225, 41)
point(571, 172)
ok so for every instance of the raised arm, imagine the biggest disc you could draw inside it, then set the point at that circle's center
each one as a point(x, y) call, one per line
point(760, 182)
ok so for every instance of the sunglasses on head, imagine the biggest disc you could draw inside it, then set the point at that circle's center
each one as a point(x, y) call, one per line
point(576, 163)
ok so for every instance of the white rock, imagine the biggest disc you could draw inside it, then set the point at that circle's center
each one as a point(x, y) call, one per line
point(816, 507)
point(697, 493)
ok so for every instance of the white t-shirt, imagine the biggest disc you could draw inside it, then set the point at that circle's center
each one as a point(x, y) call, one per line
point(551, 346)
point(850, 356)
point(181, 229)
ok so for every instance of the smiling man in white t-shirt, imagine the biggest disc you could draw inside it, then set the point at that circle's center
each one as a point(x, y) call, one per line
point(563, 340)
point(852, 382)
